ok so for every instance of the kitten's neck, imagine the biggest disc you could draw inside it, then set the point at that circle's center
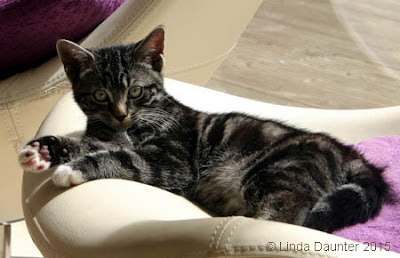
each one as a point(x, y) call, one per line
point(169, 116)
point(180, 112)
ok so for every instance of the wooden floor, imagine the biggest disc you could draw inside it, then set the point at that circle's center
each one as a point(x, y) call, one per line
point(336, 54)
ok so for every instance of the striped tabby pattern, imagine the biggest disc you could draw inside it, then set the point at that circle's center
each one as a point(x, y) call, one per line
point(229, 164)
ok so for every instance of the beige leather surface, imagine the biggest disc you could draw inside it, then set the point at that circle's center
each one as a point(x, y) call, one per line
point(19, 122)
point(199, 35)
point(119, 218)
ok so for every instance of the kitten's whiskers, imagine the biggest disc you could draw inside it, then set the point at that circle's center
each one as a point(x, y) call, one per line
point(162, 119)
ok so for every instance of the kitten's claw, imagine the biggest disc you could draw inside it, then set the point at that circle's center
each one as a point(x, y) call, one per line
point(34, 158)
point(65, 176)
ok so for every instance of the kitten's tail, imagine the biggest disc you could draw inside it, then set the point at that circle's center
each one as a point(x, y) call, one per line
point(355, 202)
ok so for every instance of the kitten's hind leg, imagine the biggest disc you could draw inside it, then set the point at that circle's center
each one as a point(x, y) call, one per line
point(284, 206)
point(347, 205)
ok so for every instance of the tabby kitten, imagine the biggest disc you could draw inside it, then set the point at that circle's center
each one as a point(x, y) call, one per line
point(229, 164)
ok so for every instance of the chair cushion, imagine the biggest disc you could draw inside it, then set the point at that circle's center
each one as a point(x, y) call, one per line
point(383, 231)
point(29, 29)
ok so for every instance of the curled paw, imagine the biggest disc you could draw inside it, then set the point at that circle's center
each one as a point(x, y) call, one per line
point(66, 176)
point(35, 157)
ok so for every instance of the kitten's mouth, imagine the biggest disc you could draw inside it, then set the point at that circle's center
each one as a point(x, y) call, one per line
point(116, 124)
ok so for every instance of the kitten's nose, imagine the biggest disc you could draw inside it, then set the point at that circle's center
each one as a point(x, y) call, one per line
point(120, 118)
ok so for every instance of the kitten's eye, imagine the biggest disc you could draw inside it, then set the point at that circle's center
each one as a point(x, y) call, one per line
point(135, 92)
point(100, 95)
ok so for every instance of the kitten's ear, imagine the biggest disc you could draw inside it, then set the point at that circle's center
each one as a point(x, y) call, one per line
point(150, 50)
point(76, 59)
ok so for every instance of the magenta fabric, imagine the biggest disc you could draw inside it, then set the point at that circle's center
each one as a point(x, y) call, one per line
point(384, 230)
point(29, 29)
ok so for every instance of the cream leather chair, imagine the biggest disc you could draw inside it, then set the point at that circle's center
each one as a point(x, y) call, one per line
point(200, 35)
point(113, 218)
point(118, 218)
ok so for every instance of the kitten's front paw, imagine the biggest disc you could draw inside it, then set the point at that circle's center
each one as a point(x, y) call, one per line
point(65, 176)
point(34, 157)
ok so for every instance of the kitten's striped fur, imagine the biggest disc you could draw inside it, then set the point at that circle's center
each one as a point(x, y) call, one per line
point(229, 164)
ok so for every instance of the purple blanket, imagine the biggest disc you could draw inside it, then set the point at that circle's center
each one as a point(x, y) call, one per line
point(384, 230)
point(29, 29)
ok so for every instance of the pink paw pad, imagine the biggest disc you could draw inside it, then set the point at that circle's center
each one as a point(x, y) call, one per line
point(35, 158)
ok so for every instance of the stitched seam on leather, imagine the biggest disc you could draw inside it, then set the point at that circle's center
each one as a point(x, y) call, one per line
point(139, 19)
point(242, 249)
point(59, 78)
point(214, 234)
point(221, 233)
point(118, 31)
point(57, 85)
point(229, 239)
point(65, 82)
point(5, 113)
point(38, 94)
point(185, 68)
point(13, 127)
point(125, 25)
point(17, 122)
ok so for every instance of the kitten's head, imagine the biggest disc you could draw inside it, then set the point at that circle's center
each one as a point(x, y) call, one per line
point(112, 84)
